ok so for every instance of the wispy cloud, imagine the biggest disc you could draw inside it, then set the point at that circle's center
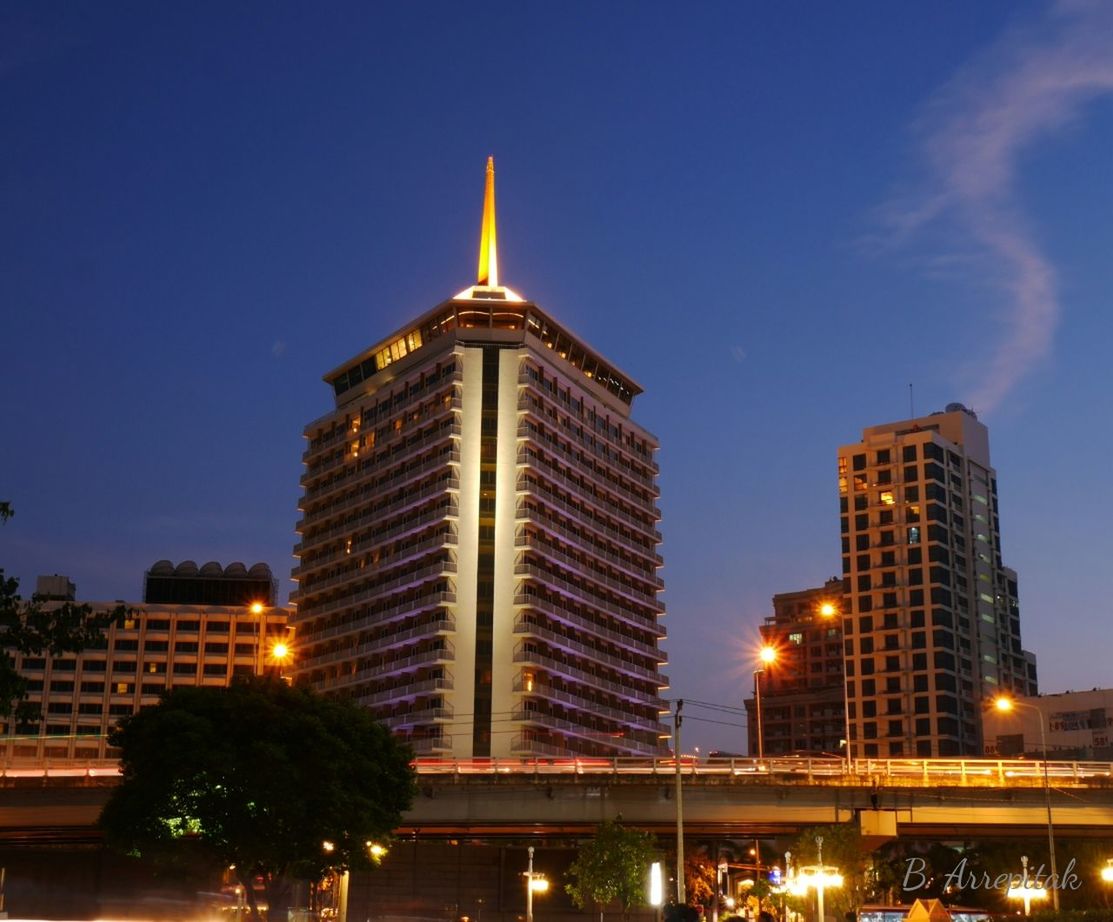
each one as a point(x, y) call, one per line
point(1037, 78)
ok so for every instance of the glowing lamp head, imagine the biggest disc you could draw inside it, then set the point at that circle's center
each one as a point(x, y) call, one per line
point(768, 655)
point(539, 884)
point(1107, 872)
point(257, 608)
point(280, 652)
point(1003, 704)
point(828, 610)
point(328, 847)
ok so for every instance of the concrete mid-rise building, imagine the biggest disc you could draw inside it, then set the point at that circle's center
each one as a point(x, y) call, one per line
point(931, 616)
point(156, 647)
point(477, 561)
point(1074, 725)
point(802, 691)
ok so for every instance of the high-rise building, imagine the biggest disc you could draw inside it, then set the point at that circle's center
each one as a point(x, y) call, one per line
point(802, 698)
point(478, 548)
point(931, 619)
point(159, 646)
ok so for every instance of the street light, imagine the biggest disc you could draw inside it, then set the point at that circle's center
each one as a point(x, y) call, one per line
point(1107, 871)
point(535, 883)
point(768, 656)
point(1005, 704)
point(1025, 890)
point(831, 610)
point(259, 610)
point(818, 877)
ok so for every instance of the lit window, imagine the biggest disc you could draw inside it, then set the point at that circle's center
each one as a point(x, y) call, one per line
point(797, 638)
point(887, 497)
point(914, 535)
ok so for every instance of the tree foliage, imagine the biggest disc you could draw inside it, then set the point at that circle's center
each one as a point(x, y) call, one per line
point(613, 866)
point(701, 879)
point(34, 627)
point(259, 775)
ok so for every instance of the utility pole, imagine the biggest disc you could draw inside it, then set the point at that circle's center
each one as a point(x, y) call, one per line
point(681, 897)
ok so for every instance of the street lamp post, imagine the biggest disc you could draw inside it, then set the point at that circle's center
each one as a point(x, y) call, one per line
point(830, 610)
point(260, 611)
point(768, 656)
point(818, 877)
point(537, 882)
point(1006, 704)
point(1023, 890)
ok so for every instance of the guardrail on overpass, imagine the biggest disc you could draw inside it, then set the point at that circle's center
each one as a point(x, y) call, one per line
point(786, 770)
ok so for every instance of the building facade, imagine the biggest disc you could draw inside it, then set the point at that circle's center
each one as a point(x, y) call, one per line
point(931, 618)
point(802, 690)
point(478, 558)
point(157, 647)
point(1076, 725)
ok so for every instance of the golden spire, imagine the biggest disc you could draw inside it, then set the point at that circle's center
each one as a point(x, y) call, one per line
point(488, 243)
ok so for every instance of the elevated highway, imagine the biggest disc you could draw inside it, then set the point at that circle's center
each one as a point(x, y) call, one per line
point(932, 798)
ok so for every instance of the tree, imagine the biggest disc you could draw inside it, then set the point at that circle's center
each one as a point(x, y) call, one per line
point(276, 780)
point(612, 866)
point(701, 880)
point(36, 627)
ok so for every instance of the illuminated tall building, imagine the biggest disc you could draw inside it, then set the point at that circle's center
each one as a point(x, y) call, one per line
point(930, 614)
point(478, 548)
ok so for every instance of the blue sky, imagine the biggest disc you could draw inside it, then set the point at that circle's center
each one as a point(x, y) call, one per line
point(774, 216)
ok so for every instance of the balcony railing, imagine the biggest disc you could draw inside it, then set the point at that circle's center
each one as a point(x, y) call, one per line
point(574, 646)
point(594, 552)
point(590, 679)
point(445, 624)
point(424, 575)
point(321, 514)
point(382, 616)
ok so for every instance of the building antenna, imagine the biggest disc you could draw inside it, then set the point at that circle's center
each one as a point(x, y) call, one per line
point(911, 402)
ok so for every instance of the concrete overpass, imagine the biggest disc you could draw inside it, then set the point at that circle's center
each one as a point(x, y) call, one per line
point(932, 798)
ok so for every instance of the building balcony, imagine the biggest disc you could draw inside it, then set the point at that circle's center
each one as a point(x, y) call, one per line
point(605, 505)
point(644, 619)
point(529, 456)
point(533, 402)
point(445, 536)
point(421, 715)
point(589, 540)
point(593, 553)
point(320, 515)
point(445, 654)
point(553, 610)
point(362, 621)
point(648, 723)
point(376, 589)
point(316, 469)
point(406, 690)
point(441, 510)
point(541, 436)
point(446, 624)
point(407, 555)
point(324, 488)
point(584, 517)
point(563, 642)
point(560, 667)
point(589, 574)
point(596, 734)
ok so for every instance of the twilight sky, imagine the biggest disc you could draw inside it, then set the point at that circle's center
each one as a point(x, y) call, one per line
point(773, 216)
